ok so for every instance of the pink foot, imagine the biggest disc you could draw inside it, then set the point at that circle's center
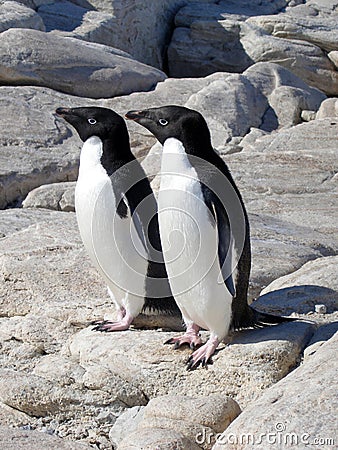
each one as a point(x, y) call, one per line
point(120, 325)
point(203, 354)
point(190, 337)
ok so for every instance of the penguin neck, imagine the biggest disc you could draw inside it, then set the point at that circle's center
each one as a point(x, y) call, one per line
point(116, 153)
point(108, 154)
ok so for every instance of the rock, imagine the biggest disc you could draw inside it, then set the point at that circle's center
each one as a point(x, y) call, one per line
point(323, 334)
point(188, 416)
point(206, 47)
point(45, 149)
point(57, 196)
point(283, 411)
point(159, 370)
point(65, 17)
point(321, 309)
point(328, 109)
point(265, 96)
point(33, 439)
point(33, 395)
point(13, 417)
point(313, 284)
point(40, 150)
point(308, 115)
point(304, 59)
point(273, 191)
point(333, 56)
point(321, 31)
point(126, 424)
point(159, 439)
point(142, 30)
point(15, 219)
point(15, 15)
point(210, 39)
point(323, 7)
point(72, 66)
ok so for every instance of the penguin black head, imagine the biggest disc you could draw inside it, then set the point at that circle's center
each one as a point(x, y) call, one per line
point(184, 124)
point(94, 121)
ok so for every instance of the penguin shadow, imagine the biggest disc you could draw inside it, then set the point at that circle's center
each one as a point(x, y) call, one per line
point(296, 300)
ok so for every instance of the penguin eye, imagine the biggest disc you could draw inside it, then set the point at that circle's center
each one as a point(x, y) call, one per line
point(163, 122)
point(92, 121)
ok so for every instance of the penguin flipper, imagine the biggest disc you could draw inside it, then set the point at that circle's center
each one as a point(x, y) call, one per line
point(222, 224)
point(140, 231)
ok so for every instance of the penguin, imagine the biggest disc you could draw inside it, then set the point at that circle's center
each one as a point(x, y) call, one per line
point(205, 233)
point(117, 218)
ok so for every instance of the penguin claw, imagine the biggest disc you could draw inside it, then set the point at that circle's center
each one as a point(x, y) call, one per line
point(98, 322)
point(193, 341)
point(107, 326)
point(203, 355)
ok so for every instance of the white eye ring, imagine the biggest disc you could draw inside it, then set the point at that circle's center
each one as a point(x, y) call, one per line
point(92, 121)
point(163, 122)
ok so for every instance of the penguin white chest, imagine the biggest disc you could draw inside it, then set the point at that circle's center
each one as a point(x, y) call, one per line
point(190, 243)
point(110, 240)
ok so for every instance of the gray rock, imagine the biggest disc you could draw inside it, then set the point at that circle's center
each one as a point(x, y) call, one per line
point(323, 334)
point(321, 31)
point(64, 16)
point(313, 284)
point(31, 152)
point(57, 196)
point(159, 370)
point(323, 7)
point(126, 424)
point(33, 395)
point(206, 47)
point(333, 56)
point(70, 65)
point(141, 29)
point(46, 150)
point(284, 413)
point(15, 15)
point(158, 438)
point(188, 415)
point(34, 439)
point(265, 96)
point(13, 417)
point(304, 59)
point(206, 40)
point(308, 115)
point(15, 219)
point(328, 109)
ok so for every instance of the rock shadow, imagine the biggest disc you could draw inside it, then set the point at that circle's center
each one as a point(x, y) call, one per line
point(63, 16)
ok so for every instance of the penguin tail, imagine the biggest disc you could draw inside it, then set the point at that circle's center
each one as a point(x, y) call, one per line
point(263, 319)
point(165, 305)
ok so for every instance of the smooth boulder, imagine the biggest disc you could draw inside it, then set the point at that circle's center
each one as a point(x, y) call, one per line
point(30, 57)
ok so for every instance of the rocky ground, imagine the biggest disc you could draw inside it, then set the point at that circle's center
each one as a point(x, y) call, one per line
point(265, 78)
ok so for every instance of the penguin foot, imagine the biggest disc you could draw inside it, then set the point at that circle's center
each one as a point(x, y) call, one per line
point(202, 356)
point(108, 326)
point(190, 337)
point(192, 341)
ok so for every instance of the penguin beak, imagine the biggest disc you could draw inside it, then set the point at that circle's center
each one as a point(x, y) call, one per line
point(135, 115)
point(63, 112)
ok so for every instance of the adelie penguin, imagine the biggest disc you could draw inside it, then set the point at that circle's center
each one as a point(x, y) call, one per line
point(117, 217)
point(204, 231)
